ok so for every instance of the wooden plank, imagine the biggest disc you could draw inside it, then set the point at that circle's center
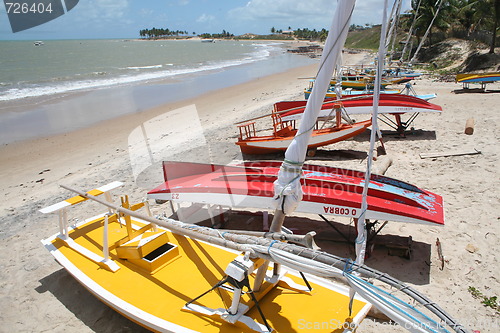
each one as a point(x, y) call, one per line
point(450, 153)
point(77, 199)
point(440, 253)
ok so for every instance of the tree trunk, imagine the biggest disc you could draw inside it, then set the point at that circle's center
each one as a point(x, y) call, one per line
point(495, 25)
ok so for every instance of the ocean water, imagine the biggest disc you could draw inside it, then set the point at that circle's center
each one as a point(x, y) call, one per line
point(72, 65)
point(65, 85)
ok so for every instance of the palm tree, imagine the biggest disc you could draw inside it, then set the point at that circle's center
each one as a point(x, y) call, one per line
point(482, 14)
point(440, 9)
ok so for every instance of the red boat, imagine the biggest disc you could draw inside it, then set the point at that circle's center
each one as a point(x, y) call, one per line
point(327, 191)
point(395, 104)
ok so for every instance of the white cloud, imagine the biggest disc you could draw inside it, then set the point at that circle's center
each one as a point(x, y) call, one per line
point(299, 13)
point(103, 9)
point(306, 13)
point(145, 12)
point(205, 18)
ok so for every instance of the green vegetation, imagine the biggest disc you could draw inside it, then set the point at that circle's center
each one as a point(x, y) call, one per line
point(477, 20)
point(363, 38)
point(266, 37)
point(224, 34)
point(311, 34)
point(490, 302)
point(160, 33)
point(468, 19)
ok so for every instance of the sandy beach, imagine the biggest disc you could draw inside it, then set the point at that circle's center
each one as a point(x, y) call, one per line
point(38, 295)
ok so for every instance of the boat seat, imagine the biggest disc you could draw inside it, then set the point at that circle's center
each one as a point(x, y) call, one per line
point(285, 131)
point(149, 250)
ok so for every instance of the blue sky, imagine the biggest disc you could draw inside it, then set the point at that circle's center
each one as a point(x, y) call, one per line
point(124, 18)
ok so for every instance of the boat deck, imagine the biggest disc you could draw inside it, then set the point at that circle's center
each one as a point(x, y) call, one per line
point(155, 299)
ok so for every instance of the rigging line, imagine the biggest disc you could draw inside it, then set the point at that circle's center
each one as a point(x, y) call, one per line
point(335, 43)
point(394, 33)
point(323, 63)
point(426, 32)
point(392, 22)
point(361, 227)
point(378, 293)
point(410, 31)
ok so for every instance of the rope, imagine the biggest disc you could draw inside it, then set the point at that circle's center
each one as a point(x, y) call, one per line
point(401, 307)
point(270, 246)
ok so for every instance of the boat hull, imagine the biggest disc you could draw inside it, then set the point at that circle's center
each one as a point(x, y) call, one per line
point(478, 77)
point(362, 104)
point(327, 191)
point(156, 299)
point(319, 138)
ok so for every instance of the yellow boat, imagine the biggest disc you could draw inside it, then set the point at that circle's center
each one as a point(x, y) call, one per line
point(360, 84)
point(478, 77)
point(169, 282)
point(481, 78)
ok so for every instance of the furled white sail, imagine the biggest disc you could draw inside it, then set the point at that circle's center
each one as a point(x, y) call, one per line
point(287, 188)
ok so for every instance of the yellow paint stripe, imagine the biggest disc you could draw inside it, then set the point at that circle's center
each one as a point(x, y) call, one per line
point(79, 198)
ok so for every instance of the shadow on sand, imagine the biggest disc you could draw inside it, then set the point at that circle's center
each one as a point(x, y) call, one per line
point(84, 305)
point(475, 91)
point(393, 135)
point(415, 270)
point(319, 154)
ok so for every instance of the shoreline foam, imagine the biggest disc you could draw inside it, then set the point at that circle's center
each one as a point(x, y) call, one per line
point(99, 75)
point(73, 110)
